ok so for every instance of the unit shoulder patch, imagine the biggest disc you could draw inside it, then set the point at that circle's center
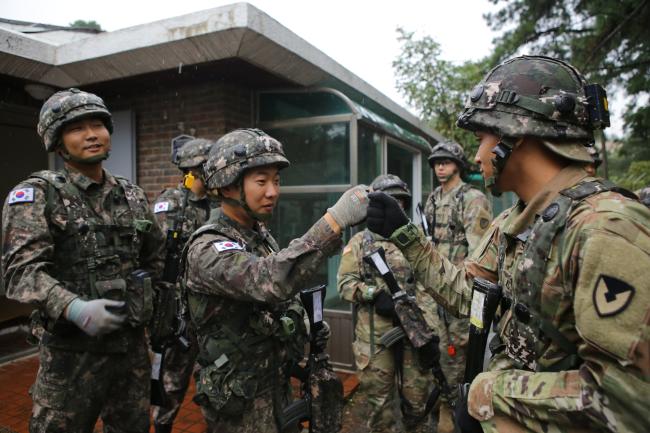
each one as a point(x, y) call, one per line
point(162, 206)
point(21, 195)
point(227, 245)
point(611, 295)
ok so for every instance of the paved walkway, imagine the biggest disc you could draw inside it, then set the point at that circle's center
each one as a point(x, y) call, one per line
point(15, 403)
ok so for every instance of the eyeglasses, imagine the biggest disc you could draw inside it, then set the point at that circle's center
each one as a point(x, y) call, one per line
point(441, 162)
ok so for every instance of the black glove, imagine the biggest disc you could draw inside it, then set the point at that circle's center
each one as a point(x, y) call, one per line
point(384, 305)
point(385, 215)
point(429, 354)
point(464, 421)
point(322, 337)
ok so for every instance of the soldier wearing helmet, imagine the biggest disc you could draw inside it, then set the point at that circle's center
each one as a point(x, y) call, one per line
point(458, 215)
point(82, 246)
point(241, 287)
point(568, 256)
point(180, 211)
point(377, 365)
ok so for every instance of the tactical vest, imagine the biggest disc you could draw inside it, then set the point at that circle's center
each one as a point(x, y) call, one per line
point(529, 332)
point(242, 351)
point(455, 223)
point(94, 259)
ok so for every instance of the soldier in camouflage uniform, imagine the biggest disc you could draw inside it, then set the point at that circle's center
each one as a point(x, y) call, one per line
point(361, 285)
point(241, 287)
point(571, 258)
point(71, 241)
point(458, 216)
point(170, 213)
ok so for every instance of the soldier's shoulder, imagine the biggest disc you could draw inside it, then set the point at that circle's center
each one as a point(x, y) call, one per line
point(30, 190)
point(167, 201)
point(473, 194)
point(599, 209)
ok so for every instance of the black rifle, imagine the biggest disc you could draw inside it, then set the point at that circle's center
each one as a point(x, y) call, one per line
point(485, 300)
point(163, 326)
point(323, 408)
point(423, 220)
point(413, 325)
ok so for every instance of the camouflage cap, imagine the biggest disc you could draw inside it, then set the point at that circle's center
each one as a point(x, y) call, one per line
point(238, 151)
point(67, 106)
point(193, 153)
point(392, 185)
point(531, 96)
point(448, 150)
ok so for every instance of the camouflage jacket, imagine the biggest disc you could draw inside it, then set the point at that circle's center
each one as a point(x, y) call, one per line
point(240, 286)
point(594, 293)
point(462, 216)
point(167, 207)
point(355, 277)
point(45, 253)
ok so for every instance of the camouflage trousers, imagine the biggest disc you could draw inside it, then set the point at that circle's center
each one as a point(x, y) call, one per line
point(516, 401)
point(74, 389)
point(259, 418)
point(177, 372)
point(453, 364)
point(378, 379)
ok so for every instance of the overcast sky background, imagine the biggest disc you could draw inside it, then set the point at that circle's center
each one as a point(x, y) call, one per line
point(358, 34)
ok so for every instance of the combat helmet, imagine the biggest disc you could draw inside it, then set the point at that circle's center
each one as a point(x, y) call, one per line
point(193, 153)
point(540, 97)
point(448, 150)
point(238, 151)
point(393, 186)
point(67, 106)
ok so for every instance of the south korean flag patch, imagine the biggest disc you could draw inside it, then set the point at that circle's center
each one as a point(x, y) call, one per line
point(162, 206)
point(22, 195)
point(227, 245)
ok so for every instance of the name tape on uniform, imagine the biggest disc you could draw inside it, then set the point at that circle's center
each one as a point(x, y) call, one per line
point(22, 195)
point(162, 206)
point(227, 245)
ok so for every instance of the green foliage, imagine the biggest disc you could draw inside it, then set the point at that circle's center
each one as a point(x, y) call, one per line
point(82, 24)
point(637, 176)
point(608, 41)
point(436, 87)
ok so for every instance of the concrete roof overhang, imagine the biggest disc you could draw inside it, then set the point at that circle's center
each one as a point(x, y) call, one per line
point(235, 31)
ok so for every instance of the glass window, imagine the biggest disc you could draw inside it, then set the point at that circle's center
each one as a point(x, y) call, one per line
point(319, 154)
point(284, 106)
point(400, 163)
point(427, 179)
point(294, 215)
point(369, 155)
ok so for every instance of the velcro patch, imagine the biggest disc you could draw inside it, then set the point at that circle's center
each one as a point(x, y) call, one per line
point(227, 245)
point(162, 206)
point(22, 195)
point(611, 295)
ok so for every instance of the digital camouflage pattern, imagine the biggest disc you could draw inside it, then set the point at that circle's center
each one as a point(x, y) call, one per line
point(46, 248)
point(240, 150)
point(462, 216)
point(179, 363)
point(393, 185)
point(66, 106)
point(240, 287)
point(533, 96)
point(597, 302)
point(374, 361)
point(193, 153)
point(448, 150)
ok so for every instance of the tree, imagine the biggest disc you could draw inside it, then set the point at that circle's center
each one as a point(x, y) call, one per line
point(608, 41)
point(435, 87)
point(82, 24)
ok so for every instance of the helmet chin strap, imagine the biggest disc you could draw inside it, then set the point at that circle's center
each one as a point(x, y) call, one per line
point(242, 203)
point(502, 152)
point(87, 161)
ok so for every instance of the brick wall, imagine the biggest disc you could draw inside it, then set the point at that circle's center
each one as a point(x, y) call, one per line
point(205, 109)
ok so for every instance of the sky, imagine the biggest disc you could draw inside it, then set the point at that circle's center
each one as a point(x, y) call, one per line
point(359, 34)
